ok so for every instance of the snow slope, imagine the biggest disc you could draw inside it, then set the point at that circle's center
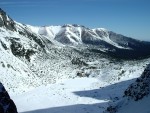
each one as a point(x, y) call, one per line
point(93, 94)
point(138, 94)
point(70, 96)
point(141, 106)
point(15, 74)
point(76, 95)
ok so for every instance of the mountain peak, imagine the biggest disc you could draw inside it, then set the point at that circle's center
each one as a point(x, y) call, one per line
point(100, 29)
point(2, 12)
point(73, 25)
point(6, 21)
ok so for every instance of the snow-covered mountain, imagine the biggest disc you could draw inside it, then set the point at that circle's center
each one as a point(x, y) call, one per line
point(32, 57)
point(99, 39)
point(104, 40)
point(77, 34)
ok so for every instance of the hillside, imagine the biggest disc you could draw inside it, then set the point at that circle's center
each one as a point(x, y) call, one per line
point(83, 67)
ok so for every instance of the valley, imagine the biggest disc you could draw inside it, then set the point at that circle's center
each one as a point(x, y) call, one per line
point(68, 68)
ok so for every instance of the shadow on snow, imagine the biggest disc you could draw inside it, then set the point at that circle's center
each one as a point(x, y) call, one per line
point(109, 93)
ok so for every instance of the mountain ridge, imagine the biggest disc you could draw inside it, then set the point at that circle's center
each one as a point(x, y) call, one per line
point(32, 58)
point(73, 34)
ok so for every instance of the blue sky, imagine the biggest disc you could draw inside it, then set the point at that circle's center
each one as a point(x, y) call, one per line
point(127, 17)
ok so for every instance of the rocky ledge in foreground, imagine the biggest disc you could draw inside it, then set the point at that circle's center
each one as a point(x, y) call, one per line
point(137, 91)
point(6, 104)
point(141, 87)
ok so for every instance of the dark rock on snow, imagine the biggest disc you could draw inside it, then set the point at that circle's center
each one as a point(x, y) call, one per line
point(136, 91)
point(6, 21)
point(141, 87)
point(6, 104)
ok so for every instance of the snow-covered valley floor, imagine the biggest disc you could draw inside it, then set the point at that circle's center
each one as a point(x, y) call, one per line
point(79, 95)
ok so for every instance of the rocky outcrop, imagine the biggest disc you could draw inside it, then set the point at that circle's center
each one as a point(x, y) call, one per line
point(141, 87)
point(6, 22)
point(6, 104)
point(136, 91)
point(19, 51)
point(78, 61)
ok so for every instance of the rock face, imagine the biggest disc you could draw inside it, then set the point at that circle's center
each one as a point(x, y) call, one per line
point(141, 87)
point(19, 51)
point(6, 22)
point(6, 104)
point(136, 91)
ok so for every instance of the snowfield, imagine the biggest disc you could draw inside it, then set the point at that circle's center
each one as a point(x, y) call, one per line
point(79, 95)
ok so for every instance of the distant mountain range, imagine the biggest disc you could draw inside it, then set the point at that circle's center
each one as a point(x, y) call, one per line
point(103, 40)
point(97, 40)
